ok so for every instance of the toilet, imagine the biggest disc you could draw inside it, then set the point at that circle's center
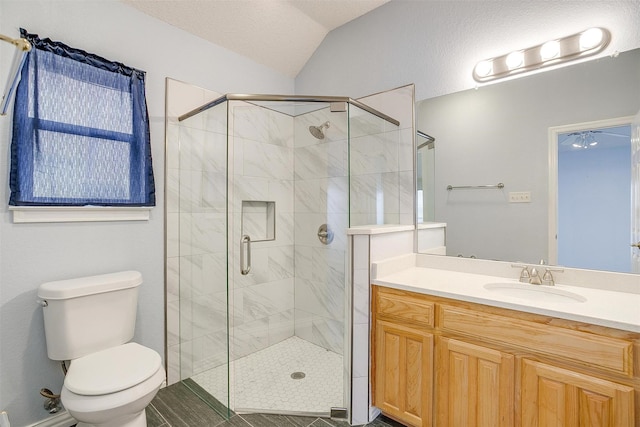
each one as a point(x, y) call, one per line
point(90, 322)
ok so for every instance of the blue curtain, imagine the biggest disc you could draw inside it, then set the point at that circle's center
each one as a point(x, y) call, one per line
point(80, 131)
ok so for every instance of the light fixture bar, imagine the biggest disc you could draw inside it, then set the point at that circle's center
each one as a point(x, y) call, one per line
point(553, 52)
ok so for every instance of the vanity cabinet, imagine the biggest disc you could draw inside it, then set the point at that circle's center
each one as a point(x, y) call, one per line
point(405, 372)
point(474, 384)
point(404, 359)
point(553, 396)
point(445, 362)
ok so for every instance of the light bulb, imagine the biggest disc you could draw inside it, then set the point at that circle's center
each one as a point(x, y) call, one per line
point(590, 38)
point(484, 68)
point(549, 50)
point(515, 60)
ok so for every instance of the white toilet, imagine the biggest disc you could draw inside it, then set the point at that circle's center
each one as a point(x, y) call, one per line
point(90, 321)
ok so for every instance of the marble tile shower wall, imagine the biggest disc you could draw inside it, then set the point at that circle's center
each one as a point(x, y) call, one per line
point(262, 302)
point(321, 197)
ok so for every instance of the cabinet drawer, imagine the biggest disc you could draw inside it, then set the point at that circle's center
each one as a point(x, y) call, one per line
point(591, 349)
point(405, 307)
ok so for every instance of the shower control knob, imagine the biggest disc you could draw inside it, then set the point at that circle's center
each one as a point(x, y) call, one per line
point(325, 235)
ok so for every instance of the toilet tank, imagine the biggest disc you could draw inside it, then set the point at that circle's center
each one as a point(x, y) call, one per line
point(88, 314)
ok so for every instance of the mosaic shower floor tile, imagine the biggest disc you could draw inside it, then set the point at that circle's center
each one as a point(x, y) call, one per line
point(268, 380)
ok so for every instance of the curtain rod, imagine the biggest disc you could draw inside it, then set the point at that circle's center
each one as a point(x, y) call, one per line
point(23, 47)
point(22, 44)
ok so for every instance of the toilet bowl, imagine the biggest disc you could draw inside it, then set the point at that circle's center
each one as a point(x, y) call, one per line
point(113, 387)
point(90, 322)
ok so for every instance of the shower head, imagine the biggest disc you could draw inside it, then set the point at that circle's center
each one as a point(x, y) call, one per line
point(318, 131)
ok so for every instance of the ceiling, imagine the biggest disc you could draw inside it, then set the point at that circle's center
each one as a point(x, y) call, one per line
point(281, 34)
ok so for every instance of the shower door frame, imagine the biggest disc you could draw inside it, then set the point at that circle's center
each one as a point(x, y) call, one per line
point(287, 98)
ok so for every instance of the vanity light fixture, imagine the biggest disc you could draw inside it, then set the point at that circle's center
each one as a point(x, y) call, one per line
point(553, 52)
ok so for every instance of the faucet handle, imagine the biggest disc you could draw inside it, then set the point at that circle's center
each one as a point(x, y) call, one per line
point(547, 278)
point(525, 276)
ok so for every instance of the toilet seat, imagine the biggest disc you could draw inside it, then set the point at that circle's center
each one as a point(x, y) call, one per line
point(96, 409)
point(112, 370)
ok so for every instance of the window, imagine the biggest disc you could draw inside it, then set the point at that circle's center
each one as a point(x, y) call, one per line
point(80, 131)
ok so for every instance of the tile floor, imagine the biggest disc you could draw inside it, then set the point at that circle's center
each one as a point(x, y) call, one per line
point(178, 406)
point(263, 382)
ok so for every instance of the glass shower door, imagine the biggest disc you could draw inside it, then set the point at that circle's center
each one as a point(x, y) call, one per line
point(287, 286)
point(200, 177)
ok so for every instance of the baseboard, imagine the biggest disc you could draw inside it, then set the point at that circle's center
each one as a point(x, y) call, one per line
point(62, 419)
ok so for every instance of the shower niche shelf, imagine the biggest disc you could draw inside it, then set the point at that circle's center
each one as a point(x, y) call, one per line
point(259, 220)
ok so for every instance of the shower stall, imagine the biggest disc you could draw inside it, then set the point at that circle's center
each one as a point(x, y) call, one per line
point(260, 192)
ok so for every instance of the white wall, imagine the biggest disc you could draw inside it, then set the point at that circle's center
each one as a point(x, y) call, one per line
point(32, 254)
point(436, 44)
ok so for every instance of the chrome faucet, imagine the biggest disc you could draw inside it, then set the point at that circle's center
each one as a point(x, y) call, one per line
point(533, 276)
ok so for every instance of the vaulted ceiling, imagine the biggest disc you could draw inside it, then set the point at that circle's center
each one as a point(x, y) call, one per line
point(281, 34)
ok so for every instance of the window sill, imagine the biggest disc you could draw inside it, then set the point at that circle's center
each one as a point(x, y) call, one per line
point(26, 214)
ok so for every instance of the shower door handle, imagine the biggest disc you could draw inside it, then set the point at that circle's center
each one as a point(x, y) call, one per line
point(245, 268)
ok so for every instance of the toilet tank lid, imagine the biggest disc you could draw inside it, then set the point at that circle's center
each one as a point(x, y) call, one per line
point(72, 288)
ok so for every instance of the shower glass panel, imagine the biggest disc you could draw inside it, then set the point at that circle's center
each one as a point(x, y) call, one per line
point(378, 183)
point(259, 198)
point(200, 267)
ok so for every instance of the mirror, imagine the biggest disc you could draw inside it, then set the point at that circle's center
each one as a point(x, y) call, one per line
point(500, 133)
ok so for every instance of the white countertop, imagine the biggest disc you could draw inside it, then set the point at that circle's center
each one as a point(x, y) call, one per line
point(620, 310)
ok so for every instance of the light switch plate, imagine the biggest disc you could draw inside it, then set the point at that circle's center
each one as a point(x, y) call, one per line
point(519, 197)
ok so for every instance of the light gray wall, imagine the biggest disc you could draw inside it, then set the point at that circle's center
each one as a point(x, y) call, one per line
point(436, 44)
point(31, 254)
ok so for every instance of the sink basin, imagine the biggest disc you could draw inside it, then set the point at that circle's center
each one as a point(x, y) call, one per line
point(529, 292)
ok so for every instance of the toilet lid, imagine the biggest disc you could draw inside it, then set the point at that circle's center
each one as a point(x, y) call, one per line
point(111, 370)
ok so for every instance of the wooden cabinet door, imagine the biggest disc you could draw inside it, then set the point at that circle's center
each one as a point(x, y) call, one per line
point(404, 373)
point(556, 397)
point(475, 385)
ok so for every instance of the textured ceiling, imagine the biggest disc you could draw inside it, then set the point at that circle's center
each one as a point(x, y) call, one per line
point(281, 34)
